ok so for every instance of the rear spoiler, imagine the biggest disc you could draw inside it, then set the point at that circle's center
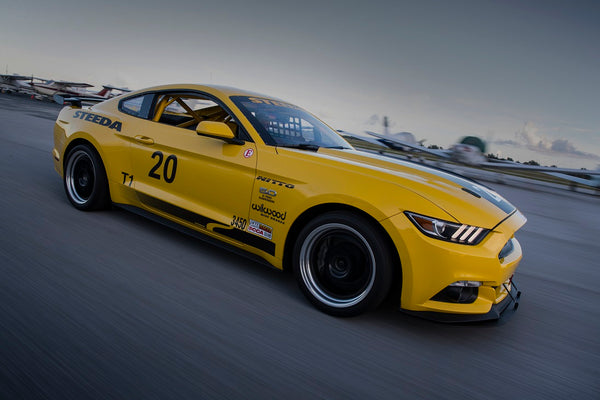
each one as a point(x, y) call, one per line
point(75, 101)
point(124, 90)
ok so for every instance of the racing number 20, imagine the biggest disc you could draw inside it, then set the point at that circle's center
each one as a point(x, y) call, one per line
point(170, 164)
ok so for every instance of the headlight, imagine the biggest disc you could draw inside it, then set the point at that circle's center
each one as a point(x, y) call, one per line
point(448, 231)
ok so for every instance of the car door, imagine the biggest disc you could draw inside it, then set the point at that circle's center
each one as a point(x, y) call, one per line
point(195, 179)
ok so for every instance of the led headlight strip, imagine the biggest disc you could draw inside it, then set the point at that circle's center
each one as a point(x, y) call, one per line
point(446, 230)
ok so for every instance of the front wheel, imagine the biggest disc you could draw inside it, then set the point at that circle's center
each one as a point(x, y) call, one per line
point(85, 179)
point(342, 263)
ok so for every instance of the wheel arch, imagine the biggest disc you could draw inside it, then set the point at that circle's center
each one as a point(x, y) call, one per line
point(320, 209)
point(77, 142)
point(83, 141)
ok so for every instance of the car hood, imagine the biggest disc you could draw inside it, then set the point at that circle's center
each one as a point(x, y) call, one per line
point(465, 200)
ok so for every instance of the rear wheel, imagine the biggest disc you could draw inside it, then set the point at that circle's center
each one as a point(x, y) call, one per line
point(85, 179)
point(342, 263)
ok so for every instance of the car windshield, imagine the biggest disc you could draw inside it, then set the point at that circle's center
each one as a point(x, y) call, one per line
point(284, 124)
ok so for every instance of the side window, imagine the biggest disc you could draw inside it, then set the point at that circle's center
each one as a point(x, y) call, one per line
point(193, 103)
point(137, 106)
point(187, 110)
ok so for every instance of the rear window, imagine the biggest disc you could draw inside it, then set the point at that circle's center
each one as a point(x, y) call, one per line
point(133, 106)
point(138, 106)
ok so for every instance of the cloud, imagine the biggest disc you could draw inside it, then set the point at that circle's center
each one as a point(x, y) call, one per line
point(376, 120)
point(373, 120)
point(563, 146)
point(529, 138)
point(508, 142)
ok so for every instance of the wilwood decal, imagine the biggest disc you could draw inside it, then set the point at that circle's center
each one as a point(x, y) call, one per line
point(270, 213)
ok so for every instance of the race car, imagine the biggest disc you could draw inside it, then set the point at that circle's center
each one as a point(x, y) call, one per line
point(261, 175)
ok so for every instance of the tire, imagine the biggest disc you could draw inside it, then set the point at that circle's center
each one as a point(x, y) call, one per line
point(343, 264)
point(85, 179)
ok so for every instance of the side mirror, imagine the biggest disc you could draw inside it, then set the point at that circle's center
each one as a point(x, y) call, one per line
point(218, 130)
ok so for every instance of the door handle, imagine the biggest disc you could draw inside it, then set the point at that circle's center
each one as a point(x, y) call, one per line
point(144, 139)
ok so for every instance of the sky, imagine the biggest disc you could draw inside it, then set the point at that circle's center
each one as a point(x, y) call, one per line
point(522, 75)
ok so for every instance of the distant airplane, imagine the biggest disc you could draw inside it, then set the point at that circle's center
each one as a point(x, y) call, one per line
point(66, 88)
point(471, 151)
point(16, 83)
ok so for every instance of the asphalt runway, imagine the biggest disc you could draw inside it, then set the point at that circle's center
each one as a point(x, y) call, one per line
point(108, 305)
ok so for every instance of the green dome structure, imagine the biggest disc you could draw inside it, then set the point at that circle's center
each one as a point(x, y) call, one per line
point(474, 141)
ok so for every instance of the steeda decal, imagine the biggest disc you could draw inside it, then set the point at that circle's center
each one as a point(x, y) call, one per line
point(98, 119)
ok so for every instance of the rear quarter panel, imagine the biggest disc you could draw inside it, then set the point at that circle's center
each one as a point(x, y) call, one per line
point(101, 127)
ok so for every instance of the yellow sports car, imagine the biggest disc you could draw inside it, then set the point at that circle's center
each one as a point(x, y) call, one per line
point(265, 176)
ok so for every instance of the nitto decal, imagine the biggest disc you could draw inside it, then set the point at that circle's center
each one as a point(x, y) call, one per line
point(248, 153)
point(268, 212)
point(275, 182)
point(98, 119)
point(260, 229)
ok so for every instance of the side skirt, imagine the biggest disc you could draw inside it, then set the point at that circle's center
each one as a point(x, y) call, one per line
point(188, 231)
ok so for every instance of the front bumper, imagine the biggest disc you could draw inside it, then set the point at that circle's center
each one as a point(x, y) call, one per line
point(501, 310)
point(430, 266)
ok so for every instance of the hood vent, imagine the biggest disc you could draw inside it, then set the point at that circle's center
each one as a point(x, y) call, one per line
point(471, 192)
